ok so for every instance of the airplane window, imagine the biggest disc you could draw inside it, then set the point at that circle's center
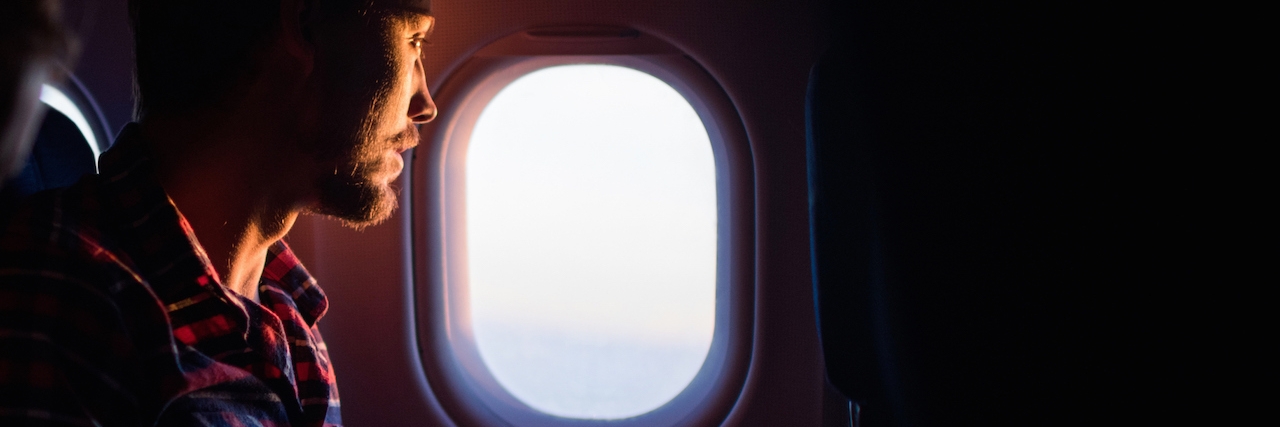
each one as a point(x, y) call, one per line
point(65, 148)
point(591, 240)
point(59, 101)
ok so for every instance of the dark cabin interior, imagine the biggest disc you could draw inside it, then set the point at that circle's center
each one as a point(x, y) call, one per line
point(1006, 211)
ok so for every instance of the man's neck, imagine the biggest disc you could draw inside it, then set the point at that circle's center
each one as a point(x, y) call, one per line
point(226, 178)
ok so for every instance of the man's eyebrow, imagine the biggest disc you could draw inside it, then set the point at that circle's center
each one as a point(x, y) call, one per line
point(431, 26)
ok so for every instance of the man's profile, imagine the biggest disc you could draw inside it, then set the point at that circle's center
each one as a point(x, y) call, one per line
point(159, 292)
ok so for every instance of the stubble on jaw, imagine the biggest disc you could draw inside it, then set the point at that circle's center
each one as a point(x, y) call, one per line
point(357, 205)
point(355, 182)
point(354, 188)
point(361, 192)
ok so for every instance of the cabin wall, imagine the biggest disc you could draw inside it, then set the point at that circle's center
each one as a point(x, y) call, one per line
point(760, 52)
point(105, 63)
point(1028, 163)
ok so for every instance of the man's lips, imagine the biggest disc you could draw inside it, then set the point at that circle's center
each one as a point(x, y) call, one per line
point(406, 140)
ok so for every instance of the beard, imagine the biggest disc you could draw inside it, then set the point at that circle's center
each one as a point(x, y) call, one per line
point(359, 189)
point(357, 202)
point(360, 192)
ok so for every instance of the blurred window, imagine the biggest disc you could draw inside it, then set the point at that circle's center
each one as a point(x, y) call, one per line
point(591, 240)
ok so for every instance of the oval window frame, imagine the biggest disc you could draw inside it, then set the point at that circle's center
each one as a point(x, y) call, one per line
point(90, 114)
point(454, 370)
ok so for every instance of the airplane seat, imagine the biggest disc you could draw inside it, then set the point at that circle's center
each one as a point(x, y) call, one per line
point(966, 192)
point(66, 147)
point(841, 220)
point(59, 157)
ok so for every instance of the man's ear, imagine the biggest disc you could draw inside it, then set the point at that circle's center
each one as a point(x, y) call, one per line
point(297, 21)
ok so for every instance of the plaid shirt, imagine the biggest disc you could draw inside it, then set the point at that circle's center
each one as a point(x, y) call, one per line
point(111, 314)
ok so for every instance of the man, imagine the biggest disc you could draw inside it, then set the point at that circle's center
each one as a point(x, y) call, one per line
point(159, 292)
point(32, 43)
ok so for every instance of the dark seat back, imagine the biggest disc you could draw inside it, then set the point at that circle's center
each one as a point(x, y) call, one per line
point(59, 157)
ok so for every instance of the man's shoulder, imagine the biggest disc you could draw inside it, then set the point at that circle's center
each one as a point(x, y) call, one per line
point(55, 245)
point(73, 309)
point(59, 229)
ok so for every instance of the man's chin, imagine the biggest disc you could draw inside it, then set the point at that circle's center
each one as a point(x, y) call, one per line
point(357, 205)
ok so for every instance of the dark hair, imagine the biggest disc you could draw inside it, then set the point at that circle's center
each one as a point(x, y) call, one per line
point(190, 54)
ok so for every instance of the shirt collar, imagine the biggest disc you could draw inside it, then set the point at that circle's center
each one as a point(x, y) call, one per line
point(284, 271)
point(160, 241)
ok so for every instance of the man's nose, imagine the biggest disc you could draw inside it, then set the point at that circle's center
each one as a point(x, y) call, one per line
point(422, 108)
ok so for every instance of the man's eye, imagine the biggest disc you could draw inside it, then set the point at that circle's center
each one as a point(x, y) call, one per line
point(418, 42)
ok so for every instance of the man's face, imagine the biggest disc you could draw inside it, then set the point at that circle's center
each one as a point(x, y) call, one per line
point(374, 94)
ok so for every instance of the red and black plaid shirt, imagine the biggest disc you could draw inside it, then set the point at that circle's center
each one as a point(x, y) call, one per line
point(112, 315)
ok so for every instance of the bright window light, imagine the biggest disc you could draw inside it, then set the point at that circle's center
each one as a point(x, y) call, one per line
point(59, 101)
point(591, 236)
